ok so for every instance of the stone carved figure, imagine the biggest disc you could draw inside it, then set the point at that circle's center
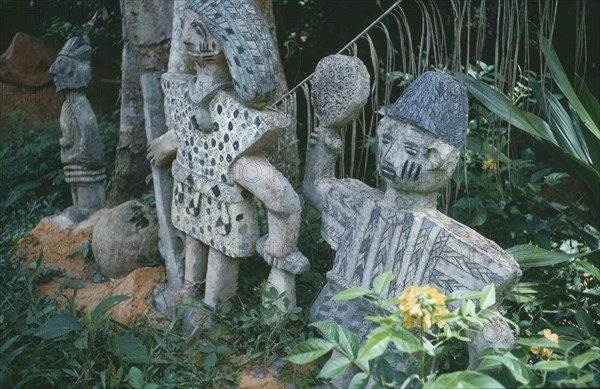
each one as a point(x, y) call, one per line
point(81, 149)
point(221, 135)
point(400, 230)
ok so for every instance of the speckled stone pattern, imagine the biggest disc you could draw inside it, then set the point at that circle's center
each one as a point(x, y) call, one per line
point(245, 39)
point(207, 203)
point(419, 248)
point(340, 89)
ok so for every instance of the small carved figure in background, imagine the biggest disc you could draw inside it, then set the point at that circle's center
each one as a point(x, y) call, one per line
point(81, 149)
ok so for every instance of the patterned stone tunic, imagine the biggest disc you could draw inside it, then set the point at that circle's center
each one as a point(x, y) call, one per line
point(419, 248)
point(207, 203)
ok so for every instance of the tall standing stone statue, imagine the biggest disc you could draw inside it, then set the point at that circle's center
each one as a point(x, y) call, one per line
point(81, 149)
point(222, 133)
point(400, 230)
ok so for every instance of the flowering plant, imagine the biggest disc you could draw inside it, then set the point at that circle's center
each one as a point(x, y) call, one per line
point(419, 331)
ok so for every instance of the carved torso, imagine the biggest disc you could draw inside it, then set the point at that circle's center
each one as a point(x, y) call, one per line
point(81, 149)
point(207, 203)
point(418, 247)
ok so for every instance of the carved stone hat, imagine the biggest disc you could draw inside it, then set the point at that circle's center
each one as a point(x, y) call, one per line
point(78, 48)
point(437, 103)
point(239, 28)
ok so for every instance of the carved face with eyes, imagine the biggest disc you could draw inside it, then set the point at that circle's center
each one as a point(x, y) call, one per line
point(411, 159)
point(200, 45)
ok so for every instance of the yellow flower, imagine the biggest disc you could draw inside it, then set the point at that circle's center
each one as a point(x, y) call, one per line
point(423, 306)
point(489, 164)
point(550, 336)
point(545, 352)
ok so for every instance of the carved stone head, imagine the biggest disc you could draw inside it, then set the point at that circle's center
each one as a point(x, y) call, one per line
point(245, 39)
point(420, 139)
point(199, 43)
point(72, 68)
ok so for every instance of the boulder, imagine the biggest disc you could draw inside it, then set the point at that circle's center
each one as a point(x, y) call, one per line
point(123, 238)
point(26, 62)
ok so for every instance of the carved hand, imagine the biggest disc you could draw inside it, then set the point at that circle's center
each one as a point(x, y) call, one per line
point(162, 150)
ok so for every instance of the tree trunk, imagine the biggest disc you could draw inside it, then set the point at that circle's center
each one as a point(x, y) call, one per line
point(146, 36)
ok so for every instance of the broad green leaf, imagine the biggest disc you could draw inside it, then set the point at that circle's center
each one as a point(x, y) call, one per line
point(58, 326)
point(540, 342)
point(359, 381)
point(488, 297)
point(351, 293)
point(518, 369)
point(377, 342)
point(405, 341)
point(135, 378)
point(210, 361)
point(462, 295)
point(328, 329)
point(467, 308)
point(563, 83)
point(107, 304)
point(532, 256)
point(334, 366)
point(309, 350)
point(551, 365)
point(588, 100)
point(585, 322)
point(463, 379)
point(588, 267)
point(348, 341)
point(130, 348)
point(382, 281)
point(581, 360)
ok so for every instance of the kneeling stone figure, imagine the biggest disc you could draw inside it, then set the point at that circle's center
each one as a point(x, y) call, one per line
point(399, 229)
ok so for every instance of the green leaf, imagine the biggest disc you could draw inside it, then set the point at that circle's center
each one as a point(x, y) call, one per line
point(135, 378)
point(561, 79)
point(463, 379)
point(382, 281)
point(309, 350)
point(532, 256)
point(377, 342)
point(585, 322)
point(58, 326)
point(328, 329)
point(462, 295)
point(210, 361)
point(588, 267)
point(581, 360)
point(540, 342)
point(130, 348)
point(551, 365)
point(334, 366)
point(351, 293)
point(359, 381)
point(405, 341)
point(518, 369)
point(348, 341)
point(107, 304)
point(488, 297)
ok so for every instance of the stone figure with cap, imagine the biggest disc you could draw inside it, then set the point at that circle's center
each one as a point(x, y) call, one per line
point(81, 149)
point(220, 135)
point(399, 229)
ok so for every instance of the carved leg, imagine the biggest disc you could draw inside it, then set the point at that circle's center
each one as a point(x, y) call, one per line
point(496, 335)
point(221, 280)
point(283, 281)
point(196, 258)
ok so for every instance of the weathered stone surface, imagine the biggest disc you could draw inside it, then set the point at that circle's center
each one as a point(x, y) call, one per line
point(170, 243)
point(123, 237)
point(399, 229)
point(26, 62)
point(81, 149)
